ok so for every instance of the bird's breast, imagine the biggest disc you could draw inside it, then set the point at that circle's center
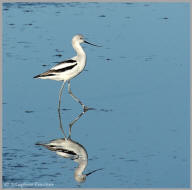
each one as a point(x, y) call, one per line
point(82, 63)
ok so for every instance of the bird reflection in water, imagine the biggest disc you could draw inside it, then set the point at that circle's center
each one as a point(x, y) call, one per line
point(68, 148)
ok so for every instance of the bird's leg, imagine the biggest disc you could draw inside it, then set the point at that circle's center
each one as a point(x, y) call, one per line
point(60, 122)
point(60, 93)
point(85, 108)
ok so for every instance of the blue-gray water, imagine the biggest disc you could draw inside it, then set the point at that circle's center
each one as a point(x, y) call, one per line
point(138, 82)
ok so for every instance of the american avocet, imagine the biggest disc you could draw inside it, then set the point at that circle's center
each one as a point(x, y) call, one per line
point(68, 69)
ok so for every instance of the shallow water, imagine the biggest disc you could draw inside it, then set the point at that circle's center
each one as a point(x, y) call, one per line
point(138, 83)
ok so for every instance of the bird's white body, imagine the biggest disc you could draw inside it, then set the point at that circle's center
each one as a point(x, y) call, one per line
point(68, 69)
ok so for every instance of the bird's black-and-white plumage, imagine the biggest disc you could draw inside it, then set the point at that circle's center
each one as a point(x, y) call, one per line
point(64, 70)
point(68, 69)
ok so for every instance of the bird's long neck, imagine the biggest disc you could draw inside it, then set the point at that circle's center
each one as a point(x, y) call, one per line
point(79, 50)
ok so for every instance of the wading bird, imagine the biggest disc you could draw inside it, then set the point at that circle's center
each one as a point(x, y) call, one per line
point(68, 69)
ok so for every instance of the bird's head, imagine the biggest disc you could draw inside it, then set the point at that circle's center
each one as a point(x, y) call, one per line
point(79, 38)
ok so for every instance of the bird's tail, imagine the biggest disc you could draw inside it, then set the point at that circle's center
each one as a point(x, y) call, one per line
point(37, 76)
point(45, 74)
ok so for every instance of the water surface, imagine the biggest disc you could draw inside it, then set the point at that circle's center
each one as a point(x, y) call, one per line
point(138, 83)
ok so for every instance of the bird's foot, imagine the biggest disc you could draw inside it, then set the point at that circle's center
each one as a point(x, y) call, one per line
point(85, 108)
